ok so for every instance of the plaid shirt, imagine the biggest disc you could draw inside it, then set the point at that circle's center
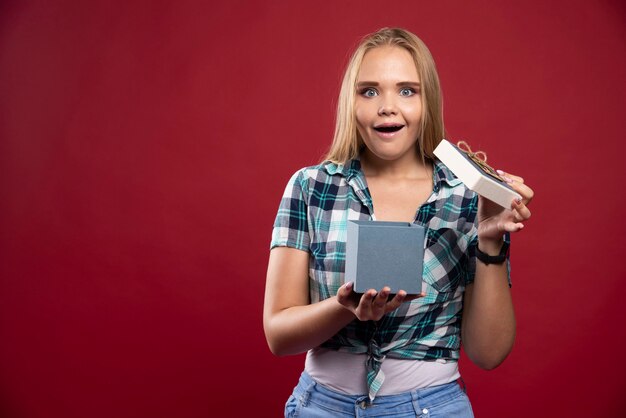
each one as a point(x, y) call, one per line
point(313, 214)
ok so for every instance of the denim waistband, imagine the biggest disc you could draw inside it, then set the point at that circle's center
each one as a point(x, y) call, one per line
point(308, 390)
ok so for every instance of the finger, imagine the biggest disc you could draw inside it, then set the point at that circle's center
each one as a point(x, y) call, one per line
point(367, 297)
point(510, 176)
point(521, 210)
point(413, 297)
point(365, 304)
point(363, 310)
point(511, 226)
point(525, 191)
point(381, 299)
point(395, 303)
point(392, 305)
point(344, 292)
point(517, 184)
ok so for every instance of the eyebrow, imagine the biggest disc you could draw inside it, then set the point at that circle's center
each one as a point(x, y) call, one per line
point(399, 84)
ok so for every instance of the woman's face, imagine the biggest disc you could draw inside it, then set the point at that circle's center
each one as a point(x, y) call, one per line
point(388, 105)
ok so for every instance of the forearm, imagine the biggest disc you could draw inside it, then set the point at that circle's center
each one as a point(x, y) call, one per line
point(293, 325)
point(297, 329)
point(488, 329)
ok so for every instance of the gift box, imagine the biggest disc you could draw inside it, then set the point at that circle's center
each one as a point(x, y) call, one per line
point(472, 169)
point(380, 254)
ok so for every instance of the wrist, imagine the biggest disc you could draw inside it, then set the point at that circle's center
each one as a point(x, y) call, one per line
point(346, 305)
point(490, 246)
point(492, 251)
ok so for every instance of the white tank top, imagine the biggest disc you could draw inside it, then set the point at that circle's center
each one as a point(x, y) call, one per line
point(345, 372)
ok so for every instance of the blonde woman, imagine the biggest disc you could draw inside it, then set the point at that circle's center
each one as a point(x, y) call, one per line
point(371, 354)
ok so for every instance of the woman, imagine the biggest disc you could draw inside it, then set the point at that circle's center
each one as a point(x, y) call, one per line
point(373, 354)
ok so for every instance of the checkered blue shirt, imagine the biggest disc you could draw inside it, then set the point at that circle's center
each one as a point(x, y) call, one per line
point(313, 214)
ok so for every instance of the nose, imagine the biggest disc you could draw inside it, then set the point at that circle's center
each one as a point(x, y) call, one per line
point(387, 108)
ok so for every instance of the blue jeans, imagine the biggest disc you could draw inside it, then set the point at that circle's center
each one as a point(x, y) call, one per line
point(311, 399)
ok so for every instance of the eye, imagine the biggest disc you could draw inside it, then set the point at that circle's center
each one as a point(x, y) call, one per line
point(369, 92)
point(406, 92)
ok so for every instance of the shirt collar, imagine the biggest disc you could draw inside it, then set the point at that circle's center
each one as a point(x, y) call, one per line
point(349, 169)
point(352, 168)
point(442, 174)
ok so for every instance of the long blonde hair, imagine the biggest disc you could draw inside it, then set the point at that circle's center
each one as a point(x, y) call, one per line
point(347, 141)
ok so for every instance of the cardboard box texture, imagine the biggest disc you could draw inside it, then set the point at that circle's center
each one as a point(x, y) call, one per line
point(380, 254)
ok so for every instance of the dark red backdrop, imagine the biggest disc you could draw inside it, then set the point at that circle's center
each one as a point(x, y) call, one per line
point(144, 146)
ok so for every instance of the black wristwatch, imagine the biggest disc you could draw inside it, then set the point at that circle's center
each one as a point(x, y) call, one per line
point(493, 259)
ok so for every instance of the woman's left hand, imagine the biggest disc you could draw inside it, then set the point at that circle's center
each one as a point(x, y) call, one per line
point(494, 220)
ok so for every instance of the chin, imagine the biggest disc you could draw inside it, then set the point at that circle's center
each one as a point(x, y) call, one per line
point(388, 155)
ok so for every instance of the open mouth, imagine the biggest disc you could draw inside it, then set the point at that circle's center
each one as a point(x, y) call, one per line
point(388, 128)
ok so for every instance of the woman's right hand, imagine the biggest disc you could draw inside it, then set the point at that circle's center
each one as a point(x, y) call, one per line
point(372, 305)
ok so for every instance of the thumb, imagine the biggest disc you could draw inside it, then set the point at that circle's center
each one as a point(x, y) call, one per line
point(344, 292)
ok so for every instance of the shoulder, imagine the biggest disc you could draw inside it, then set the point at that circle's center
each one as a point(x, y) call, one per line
point(316, 176)
point(310, 172)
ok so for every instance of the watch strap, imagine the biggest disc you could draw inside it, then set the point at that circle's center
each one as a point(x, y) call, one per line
point(493, 259)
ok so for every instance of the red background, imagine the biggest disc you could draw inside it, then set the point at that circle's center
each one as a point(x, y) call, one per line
point(144, 146)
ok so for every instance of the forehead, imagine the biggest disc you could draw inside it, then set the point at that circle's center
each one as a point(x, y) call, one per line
point(391, 63)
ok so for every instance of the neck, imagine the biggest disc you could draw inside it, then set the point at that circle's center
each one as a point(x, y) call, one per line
point(410, 166)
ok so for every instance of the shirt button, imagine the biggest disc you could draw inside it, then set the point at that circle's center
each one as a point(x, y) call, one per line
point(424, 411)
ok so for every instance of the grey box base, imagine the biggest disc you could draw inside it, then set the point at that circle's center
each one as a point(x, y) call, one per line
point(380, 254)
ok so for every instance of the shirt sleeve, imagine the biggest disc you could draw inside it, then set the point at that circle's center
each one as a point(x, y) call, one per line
point(471, 262)
point(291, 228)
